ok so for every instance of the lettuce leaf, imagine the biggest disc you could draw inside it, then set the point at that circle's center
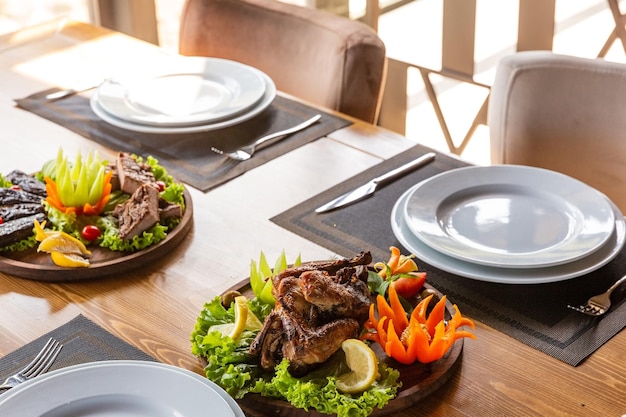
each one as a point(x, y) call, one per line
point(229, 365)
point(4, 183)
point(23, 244)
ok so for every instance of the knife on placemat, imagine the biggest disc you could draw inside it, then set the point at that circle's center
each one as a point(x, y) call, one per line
point(369, 188)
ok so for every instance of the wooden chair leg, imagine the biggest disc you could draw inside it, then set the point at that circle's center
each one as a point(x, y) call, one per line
point(620, 29)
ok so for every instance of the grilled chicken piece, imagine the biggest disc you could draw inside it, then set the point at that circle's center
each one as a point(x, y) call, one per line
point(332, 267)
point(269, 341)
point(314, 313)
point(305, 346)
point(333, 299)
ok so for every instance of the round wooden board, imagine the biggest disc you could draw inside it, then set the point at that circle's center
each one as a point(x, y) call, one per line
point(30, 264)
point(418, 380)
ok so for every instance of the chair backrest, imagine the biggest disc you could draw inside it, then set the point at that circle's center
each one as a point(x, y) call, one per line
point(563, 113)
point(310, 54)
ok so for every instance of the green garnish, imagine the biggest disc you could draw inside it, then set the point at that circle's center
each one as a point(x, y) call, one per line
point(260, 276)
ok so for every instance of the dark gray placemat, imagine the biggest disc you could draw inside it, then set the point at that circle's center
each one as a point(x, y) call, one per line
point(533, 314)
point(83, 341)
point(188, 157)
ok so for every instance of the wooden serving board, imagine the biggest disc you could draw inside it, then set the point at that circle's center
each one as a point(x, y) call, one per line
point(418, 380)
point(37, 266)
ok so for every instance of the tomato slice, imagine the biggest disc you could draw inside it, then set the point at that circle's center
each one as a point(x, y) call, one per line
point(409, 287)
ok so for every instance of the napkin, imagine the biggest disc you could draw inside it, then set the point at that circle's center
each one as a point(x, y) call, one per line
point(536, 315)
point(83, 341)
point(188, 157)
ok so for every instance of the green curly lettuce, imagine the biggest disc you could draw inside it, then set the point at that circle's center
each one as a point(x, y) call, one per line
point(4, 183)
point(230, 366)
point(21, 245)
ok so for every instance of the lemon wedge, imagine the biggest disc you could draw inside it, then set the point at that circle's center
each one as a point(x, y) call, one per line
point(244, 320)
point(363, 365)
point(40, 233)
point(69, 260)
point(62, 242)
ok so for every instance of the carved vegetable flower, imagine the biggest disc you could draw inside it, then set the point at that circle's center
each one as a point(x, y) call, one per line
point(81, 188)
point(421, 338)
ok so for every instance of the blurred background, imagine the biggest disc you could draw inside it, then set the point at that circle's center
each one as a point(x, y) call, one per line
point(411, 31)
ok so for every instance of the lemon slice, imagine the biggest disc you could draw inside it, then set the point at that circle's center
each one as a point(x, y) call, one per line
point(363, 365)
point(244, 320)
point(69, 260)
point(62, 242)
point(253, 322)
point(225, 329)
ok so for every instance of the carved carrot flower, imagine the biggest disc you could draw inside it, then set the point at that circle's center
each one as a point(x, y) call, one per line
point(422, 337)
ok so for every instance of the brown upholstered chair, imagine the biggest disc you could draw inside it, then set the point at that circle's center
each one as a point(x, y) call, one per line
point(325, 59)
point(563, 113)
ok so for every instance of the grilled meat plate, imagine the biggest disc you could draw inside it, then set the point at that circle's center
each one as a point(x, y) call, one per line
point(318, 306)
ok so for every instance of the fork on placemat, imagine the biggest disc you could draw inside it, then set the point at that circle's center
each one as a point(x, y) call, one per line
point(599, 304)
point(42, 362)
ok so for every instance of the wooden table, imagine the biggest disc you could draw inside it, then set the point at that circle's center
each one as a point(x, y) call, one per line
point(155, 309)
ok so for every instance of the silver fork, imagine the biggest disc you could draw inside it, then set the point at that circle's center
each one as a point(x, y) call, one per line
point(599, 304)
point(42, 362)
point(246, 152)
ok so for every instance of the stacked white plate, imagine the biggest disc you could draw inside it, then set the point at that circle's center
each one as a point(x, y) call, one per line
point(189, 94)
point(119, 389)
point(509, 224)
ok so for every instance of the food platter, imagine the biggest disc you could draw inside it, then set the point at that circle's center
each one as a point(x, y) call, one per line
point(30, 264)
point(418, 380)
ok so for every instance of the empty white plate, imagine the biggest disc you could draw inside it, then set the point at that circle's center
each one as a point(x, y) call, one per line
point(266, 100)
point(509, 216)
point(506, 275)
point(193, 90)
point(119, 389)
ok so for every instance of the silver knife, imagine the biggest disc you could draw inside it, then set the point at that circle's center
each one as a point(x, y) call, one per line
point(369, 188)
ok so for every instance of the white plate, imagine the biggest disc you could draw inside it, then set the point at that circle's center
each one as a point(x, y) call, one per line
point(266, 100)
point(192, 91)
point(506, 275)
point(119, 389)
point(509, 216)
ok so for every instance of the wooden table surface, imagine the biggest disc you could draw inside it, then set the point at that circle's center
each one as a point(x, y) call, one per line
point(155, 308)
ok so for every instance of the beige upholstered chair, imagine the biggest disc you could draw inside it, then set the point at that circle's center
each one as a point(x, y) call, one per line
point(562, 113)
point(311, 54)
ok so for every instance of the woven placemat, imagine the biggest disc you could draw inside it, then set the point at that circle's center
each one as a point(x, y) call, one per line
point(536, 315)
point(188, 157)
point(83, 341)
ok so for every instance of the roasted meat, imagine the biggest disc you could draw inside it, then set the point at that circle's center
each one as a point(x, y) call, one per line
point(27, 182)
point(18, 229)
point(132, 174)
point(19, 208)
point(9, 196)
point(138, 213)
point(318, 306)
